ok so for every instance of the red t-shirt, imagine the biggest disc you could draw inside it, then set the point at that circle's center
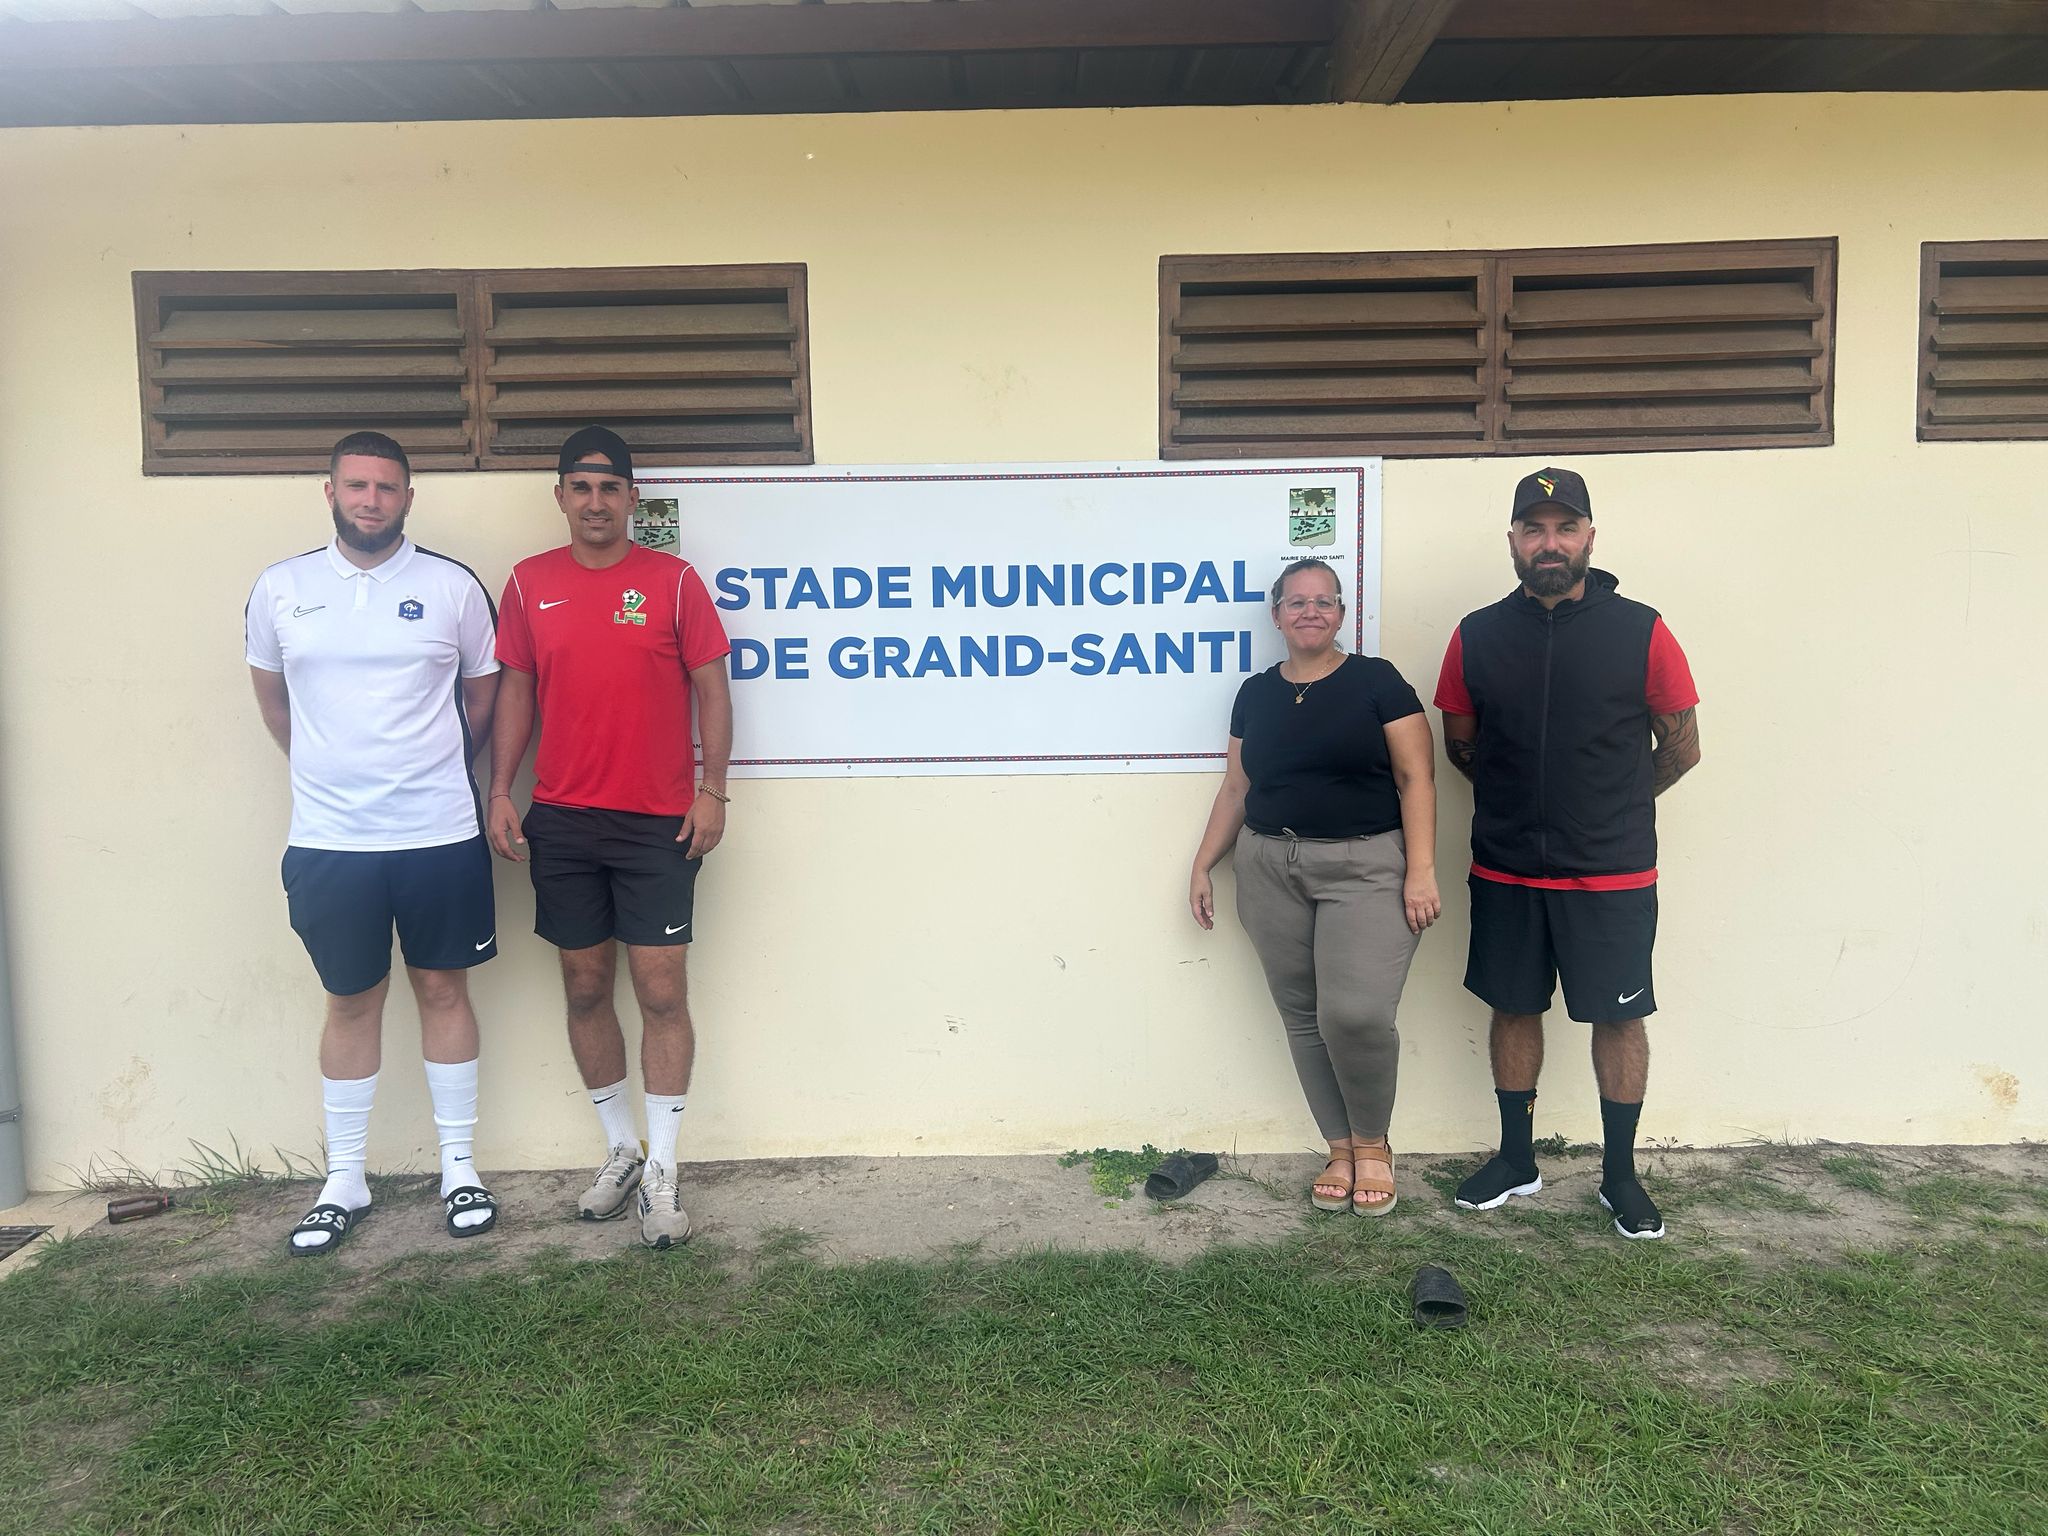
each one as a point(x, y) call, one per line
point(1668, 688)
point(610, 652)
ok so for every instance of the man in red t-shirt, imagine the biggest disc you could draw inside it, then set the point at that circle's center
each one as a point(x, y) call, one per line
point(1570, 708)
point(606, 643)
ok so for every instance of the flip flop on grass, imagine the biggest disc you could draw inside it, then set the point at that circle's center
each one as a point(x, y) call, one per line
point(1439, 1299)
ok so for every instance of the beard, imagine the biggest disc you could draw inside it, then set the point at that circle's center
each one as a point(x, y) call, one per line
point(368, 543)
point(1553, 580)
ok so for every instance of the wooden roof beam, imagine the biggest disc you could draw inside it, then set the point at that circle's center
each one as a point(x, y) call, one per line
point(720, 32)
point(1585, 20)
point(1379, 43)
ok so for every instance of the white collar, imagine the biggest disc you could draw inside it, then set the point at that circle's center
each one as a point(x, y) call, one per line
point(347, 569)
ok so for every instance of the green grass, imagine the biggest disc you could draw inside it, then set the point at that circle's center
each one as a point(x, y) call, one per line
point(1858, 1171)
point(1603, 1390)
point(208, 1169)
point(1935, 1196)
point(1741, 1186)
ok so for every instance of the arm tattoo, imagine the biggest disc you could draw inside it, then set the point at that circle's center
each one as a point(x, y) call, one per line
point(1678, 748)
point(1461, 753)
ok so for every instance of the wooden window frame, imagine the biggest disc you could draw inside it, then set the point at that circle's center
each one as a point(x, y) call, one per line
point(1933, 254)
point(471, 288)
point(1496, 270)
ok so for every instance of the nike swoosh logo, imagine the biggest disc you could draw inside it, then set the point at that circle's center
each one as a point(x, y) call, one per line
point(544, 607)
point(300, 613)
point(1639, 991)
point(487, 943)
point(677, 929)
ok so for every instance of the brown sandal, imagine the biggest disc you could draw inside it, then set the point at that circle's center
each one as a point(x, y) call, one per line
point(1323, 1202)
point(1369, 1154)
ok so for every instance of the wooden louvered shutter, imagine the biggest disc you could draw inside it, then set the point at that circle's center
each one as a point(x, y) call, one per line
point(1983, 340)
point(1498, 352)
point(1667, 347)
point(1264, 355)
point(256, 371)
point(689, 365)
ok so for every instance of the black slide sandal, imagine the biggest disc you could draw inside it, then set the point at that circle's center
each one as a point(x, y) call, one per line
point(1176, 1178)
point(1439, 1299)
point(471, 1197)
point(336, 1221)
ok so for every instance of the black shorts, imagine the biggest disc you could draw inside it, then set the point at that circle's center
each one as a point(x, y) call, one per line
point(1597, 943)
point(601, 875)
point(345, 904)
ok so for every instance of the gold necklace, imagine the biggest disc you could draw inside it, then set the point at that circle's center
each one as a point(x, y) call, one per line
point(1301, 689)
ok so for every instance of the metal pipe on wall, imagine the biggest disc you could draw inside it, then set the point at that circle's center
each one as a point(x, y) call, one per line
point(13, 1162)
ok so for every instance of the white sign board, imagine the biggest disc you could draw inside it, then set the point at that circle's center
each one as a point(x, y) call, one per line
point(1081, 618)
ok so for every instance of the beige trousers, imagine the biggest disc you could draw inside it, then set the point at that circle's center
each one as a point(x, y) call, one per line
point(1330, 929)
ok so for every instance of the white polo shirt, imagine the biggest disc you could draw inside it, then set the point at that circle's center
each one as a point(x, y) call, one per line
point(371, 660)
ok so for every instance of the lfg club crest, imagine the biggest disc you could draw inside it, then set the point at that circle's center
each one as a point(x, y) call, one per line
point(630, 604)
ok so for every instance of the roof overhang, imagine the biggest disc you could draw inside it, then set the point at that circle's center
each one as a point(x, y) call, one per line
point(362, 60)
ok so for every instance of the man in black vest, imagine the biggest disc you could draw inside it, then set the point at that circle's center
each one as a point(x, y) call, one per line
point(1570, 708)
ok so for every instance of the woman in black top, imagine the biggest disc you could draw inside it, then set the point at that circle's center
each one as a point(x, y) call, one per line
point(1331, 783)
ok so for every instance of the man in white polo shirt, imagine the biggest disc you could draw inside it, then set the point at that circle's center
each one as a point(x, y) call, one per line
point(374, 667)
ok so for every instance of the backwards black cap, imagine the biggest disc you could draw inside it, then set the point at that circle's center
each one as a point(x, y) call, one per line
point(1556, 487)
point(599, 443)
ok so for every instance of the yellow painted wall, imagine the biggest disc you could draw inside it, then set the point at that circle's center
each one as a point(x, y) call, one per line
point(1854, 924)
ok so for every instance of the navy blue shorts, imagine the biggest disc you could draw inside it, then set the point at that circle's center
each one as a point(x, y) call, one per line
point(601, 875)
point(344, 906)
point(1598, 943)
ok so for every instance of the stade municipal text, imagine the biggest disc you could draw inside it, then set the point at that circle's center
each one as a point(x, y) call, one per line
point(975, 647)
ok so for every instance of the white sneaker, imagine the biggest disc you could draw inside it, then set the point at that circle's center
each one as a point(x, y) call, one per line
point(663, 1221)
point(614, 1184)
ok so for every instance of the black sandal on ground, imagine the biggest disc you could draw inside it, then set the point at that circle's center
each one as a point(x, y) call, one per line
point(471, 1197)
point(334, 1222)
point(1439, 1299)
point(1176, 1178)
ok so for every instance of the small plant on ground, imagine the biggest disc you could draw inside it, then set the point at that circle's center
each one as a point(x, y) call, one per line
point(1113, 1171)
point(1557, 1146)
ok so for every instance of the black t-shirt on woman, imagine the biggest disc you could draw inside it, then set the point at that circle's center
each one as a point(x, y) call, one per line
point(1320, 768)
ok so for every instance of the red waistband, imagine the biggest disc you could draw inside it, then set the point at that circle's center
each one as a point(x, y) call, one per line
point(1629, 882)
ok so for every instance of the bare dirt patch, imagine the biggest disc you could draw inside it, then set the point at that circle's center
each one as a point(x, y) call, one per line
point(1710, 1359)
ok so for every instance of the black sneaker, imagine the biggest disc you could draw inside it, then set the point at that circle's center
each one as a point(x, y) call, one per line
point(1497, 1183)
point(1635, 1214)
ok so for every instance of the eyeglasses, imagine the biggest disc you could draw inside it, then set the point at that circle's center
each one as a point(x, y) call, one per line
point(1303, 604)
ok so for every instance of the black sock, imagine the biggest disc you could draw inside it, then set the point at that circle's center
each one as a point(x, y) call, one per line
point(1618, 1122)
point(1517, 1125)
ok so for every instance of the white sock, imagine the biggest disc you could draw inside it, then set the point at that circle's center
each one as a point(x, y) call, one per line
point(452, 1086)
point(615, 1113)
point(664, 1119)
point(347, 1102)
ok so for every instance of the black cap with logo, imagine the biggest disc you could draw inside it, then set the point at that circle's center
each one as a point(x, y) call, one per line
point(596, 443)
point(1554, 487)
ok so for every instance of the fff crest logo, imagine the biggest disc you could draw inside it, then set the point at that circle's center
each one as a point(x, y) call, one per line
point(412, 608)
